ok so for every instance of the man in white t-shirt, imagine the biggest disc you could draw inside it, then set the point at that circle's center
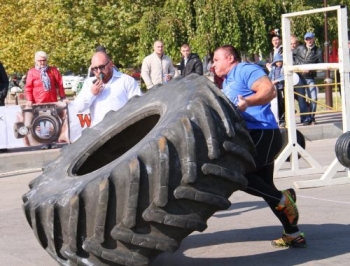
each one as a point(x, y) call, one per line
point(108, 90)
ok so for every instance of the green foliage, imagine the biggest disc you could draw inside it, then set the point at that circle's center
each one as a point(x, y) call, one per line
point(70, 30)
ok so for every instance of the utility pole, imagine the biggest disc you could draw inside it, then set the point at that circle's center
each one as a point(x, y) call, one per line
point(328, 88)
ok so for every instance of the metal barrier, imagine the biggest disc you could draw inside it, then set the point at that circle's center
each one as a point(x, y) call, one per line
point(292, 150)
point(328, 109)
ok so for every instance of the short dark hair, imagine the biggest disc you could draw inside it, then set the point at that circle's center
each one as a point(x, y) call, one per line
point(230, 50)
point(100, 48)
point(275, 35)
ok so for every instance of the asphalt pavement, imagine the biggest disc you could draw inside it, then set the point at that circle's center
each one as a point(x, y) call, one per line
point(240, 235)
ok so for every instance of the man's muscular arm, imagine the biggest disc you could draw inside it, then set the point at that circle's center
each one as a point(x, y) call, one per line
point(264, 93)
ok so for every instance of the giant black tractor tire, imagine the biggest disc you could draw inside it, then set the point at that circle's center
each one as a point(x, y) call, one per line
point(143, 179)
point(342, 149)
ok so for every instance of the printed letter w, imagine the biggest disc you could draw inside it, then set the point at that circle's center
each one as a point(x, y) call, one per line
point(84, 119)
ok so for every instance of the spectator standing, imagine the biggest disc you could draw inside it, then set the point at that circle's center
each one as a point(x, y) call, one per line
point(4, 85)
point(22, 82)
point(190, 62)
point(108, 90)
point(15, 82)
point(157, 68)
point(294, 42)
point(308, 53)
point(277, 48)
point(277, 78)
point(210, 68)
point(248, 87)
point(43, 82)
point(206, 60)
point(44, 85)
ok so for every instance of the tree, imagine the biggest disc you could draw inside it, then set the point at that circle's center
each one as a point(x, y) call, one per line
point(70, 30)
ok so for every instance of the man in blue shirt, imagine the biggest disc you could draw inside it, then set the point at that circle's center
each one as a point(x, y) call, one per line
point(250, 90)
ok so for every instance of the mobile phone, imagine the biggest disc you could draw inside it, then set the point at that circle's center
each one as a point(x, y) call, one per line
point(100, 77)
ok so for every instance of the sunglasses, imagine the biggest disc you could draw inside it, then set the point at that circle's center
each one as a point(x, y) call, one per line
point(308, 39)
point(101, 68)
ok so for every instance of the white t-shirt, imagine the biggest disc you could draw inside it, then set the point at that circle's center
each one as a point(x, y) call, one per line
point(116, 93)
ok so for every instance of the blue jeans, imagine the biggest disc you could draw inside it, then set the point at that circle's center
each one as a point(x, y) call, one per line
point(311, 92)
point(302, 101)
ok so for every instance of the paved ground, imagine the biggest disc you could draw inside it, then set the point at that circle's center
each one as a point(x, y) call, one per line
point(238, 236)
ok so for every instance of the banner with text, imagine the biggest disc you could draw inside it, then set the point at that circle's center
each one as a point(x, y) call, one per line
point(22, 126)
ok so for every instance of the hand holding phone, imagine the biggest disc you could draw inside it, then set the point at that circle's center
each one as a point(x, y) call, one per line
point(101, 76)
point(97, 85)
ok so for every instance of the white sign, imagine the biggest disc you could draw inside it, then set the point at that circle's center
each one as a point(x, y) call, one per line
point(47, 123)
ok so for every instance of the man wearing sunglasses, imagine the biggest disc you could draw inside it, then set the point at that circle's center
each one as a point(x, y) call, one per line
point(99, 48)
point(107, 90)
point(309, 53)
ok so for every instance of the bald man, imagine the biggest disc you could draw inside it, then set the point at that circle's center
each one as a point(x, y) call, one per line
point(107, 90)
point(157, 68)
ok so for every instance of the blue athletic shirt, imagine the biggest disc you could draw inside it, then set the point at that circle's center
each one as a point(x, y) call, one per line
point(238, 82)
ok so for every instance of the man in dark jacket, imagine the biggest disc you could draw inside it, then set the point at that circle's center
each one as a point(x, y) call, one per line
point(190, 62)
point(308, 53)
point(4, 85)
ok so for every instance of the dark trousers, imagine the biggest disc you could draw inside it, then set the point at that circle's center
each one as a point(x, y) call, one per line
point(281, 105)
point(268, 143)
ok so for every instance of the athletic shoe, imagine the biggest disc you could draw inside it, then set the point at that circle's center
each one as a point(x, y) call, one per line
point(292, 194)
point(290, 242)
point(289, 207)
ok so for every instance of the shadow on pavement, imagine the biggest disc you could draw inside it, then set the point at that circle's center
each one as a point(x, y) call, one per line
point(324, 241)
point(236, 208)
